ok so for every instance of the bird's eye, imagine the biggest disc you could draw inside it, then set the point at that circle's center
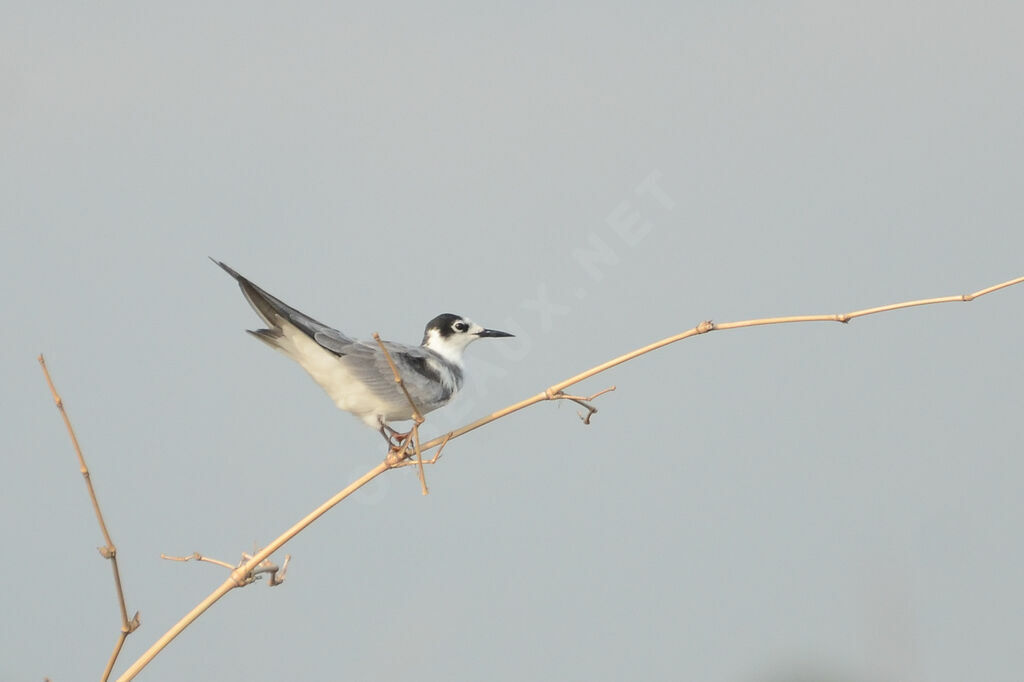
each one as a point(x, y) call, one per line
point(460, 326)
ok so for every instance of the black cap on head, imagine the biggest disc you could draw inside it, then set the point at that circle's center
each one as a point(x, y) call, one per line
point(444, 324)
point(450, 324)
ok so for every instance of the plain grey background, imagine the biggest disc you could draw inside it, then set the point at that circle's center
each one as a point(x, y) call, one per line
point(835, 501)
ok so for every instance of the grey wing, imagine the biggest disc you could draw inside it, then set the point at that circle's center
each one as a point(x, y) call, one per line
point(420, 369)
point(273, 310)
point(424, 373)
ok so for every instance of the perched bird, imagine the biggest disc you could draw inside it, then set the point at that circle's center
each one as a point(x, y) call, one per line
point(356, 374)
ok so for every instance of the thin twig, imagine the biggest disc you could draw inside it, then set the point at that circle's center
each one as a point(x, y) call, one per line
point(552, 393)
point(238, 576)
point(108, 551)
point(417, 418)
point(276, 573)
point(117, 650)
point(432, 460)
point(583, 402)
point(419, 459)
point(196, 556)
point(703, 328)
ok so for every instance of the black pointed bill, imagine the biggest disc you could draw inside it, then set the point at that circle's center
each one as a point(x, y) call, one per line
point(493, 333)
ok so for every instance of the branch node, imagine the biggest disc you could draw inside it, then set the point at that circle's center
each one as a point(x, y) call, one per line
point(581, 401)
point(242, 578)
point(107, 551)
point(705, 326)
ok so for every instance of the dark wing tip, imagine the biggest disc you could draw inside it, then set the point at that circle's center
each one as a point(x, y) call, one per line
point(265, 305)
point(226, 268)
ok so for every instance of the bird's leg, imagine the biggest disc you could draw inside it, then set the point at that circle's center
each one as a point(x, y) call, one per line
point(391, 436)
point(397, 441)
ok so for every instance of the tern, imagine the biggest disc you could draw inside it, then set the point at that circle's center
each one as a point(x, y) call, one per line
point(356, 374)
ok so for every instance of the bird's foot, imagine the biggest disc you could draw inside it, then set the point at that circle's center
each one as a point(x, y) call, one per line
point(394, 438)
point(398, 443)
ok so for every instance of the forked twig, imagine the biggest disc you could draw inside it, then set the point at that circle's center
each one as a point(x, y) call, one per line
point(441, 441)
point(433, 460)
point(277, 573)
point(108, 551)
point(196, 556)
point(582, 401)
point(239, 576)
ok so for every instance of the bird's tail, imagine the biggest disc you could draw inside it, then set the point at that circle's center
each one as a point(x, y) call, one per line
point(262, 302)
point(277, 315)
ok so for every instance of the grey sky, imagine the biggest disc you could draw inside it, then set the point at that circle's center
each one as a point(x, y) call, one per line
point(841, 499)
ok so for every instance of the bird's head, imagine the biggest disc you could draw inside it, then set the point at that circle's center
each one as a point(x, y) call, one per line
point(448, 335)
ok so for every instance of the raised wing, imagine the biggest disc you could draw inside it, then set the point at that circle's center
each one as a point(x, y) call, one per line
point(273, 310)
point(354, 373)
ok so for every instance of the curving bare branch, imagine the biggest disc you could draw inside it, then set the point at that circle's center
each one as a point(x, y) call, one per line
point(555, 392)
point(703, 328)
point(107, 551)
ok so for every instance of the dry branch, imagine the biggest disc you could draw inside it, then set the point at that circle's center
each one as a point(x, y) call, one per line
point(239, 576)
point(108, 551)
point(394, 456)
point(277, 573)
point(555, 392)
